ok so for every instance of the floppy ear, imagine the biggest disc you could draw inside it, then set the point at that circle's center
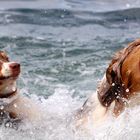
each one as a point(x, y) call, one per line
point(112, 86)
point(111, 74)
point(114, 75)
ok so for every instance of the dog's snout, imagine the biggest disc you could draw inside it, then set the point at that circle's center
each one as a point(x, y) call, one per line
point(15, 66)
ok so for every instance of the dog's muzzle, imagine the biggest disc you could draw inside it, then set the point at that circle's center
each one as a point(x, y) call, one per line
point(10, 69)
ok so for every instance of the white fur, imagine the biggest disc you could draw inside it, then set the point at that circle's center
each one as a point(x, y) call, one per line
point(6, 101)
point(10, 88)
point(99, 113)
point(92, 112)
point(6, 71)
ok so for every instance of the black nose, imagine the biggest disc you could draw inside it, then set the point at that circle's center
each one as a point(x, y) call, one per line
point(15, 66)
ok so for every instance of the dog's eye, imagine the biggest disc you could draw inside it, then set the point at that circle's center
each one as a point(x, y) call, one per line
point(110, 74)
point(113, 74)
point(4, 56)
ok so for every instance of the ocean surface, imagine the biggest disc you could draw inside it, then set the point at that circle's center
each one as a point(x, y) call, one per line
point(64, 47)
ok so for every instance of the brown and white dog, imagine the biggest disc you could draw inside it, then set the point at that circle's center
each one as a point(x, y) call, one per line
point(120, 87)
point(11, 101)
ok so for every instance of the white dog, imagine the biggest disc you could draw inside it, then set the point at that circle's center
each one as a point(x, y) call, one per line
point(11, 102)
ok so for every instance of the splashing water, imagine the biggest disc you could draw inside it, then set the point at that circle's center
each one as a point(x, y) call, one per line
point(58, 111)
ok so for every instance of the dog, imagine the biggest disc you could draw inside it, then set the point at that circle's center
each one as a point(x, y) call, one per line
point(11, 102)
point(119, 88)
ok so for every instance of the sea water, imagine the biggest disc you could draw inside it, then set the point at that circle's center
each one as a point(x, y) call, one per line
point(64, 47)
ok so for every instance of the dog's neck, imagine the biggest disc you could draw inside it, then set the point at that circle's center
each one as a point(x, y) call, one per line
point(8, 91)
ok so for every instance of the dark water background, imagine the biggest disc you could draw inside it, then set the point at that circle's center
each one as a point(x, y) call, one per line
point(65, 43)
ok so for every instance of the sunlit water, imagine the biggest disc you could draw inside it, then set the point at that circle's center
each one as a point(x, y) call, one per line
point(64, 47)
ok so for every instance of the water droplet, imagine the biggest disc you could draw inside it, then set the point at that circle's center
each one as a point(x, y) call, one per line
point(1, 107)
point(14, 88)
point(127, 5)
point(117, 97)
point(81, 108)
point(127, 90)
point(123, 84)
point(113, 84)
point(15, 105)
point(125, 20)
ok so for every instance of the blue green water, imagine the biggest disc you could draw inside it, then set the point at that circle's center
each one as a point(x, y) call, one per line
point(64, 46)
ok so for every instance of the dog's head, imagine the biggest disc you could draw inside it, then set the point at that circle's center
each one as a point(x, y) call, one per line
point(9, 72)
point(122, 78)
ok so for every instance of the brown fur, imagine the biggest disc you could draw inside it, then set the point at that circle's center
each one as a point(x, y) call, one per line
point(119, 88)
point(124, 73)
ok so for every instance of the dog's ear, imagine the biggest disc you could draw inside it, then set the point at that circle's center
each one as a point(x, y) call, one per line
point(111, 74)
point(3, 55)
point(109, 85)
point(113, 84)
point(113, 87)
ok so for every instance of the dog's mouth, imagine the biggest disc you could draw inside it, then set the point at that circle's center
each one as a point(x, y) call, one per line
point(14, 76)
point(15, 73)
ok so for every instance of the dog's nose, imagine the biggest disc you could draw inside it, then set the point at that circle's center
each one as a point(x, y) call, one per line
point(15, 66)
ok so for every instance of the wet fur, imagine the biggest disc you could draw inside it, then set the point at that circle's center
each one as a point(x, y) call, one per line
point(20, 108)
point(118, 89)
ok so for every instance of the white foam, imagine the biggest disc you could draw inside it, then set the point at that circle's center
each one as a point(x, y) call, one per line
point(57, 112)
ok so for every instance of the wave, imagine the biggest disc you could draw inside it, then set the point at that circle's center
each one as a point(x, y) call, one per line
point(68, 18)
